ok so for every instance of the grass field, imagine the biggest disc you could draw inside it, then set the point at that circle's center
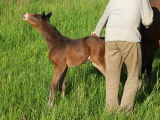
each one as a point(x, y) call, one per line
point(26, 72)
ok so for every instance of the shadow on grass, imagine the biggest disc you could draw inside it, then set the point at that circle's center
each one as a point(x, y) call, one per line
point(80, 74)
point(155, 71)
point(155, 75)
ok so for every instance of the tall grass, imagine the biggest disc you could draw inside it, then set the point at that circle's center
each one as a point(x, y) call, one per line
point(26, 72)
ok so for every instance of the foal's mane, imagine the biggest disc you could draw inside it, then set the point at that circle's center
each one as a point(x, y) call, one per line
point(59, 32)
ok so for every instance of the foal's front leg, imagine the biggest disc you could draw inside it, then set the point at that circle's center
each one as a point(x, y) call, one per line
point(58, 75)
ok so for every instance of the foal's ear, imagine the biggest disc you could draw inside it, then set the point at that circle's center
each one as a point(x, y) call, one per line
point(43, 13)
point(49, 15)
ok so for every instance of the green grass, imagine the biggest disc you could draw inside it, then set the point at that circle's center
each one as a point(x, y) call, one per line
point(26, 72)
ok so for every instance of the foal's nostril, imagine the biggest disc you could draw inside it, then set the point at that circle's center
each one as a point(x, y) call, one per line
point(24, 16)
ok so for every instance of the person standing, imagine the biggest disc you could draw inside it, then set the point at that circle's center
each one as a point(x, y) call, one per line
point(122, 19)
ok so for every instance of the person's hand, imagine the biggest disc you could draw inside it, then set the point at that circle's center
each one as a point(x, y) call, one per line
point(93, 34)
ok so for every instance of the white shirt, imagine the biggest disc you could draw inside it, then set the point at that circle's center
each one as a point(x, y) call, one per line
point(122, 19)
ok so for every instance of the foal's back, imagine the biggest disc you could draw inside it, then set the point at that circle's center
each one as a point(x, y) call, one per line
point(77, 52)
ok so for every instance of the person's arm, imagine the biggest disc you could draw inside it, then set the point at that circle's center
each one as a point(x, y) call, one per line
point(146, 13)
point(101, 22)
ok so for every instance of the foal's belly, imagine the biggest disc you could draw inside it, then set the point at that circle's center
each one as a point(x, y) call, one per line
point(76, 59)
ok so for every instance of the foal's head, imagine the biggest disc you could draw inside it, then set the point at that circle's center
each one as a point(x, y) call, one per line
point(36, 19)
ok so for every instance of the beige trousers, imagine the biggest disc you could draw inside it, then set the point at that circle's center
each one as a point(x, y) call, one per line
point(116, 53)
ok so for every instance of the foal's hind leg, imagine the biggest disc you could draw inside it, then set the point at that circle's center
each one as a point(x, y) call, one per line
point(58, 75)
point(99, 62)
point(62, 81)
point(100, 66)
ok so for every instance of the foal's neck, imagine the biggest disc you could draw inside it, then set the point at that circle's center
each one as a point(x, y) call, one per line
point(50, 34)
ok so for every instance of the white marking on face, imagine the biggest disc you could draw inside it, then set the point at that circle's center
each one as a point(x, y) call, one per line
point(25, 16)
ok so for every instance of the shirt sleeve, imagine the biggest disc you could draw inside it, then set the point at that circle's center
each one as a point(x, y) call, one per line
point(102, 21)
point(146, 13)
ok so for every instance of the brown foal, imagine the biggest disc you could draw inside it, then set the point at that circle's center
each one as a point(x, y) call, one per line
point(66, 52)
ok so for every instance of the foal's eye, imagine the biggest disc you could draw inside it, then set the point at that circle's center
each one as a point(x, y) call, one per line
point(34, 18)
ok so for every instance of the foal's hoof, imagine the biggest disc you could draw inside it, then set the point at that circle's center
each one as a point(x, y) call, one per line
point(49, 106)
